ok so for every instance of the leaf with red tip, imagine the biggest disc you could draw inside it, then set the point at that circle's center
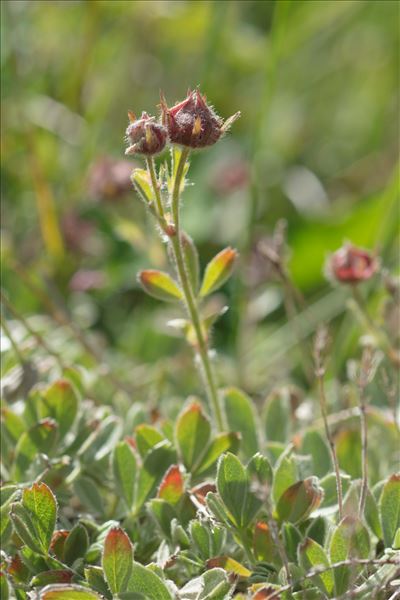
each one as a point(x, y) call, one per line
point(52, 576)
point(263, 544)
point(160, 285)
point(218, 270)
point(192, 434)
point(117, 560)
point(67, 592)
point(172, 486)
point(311, 556)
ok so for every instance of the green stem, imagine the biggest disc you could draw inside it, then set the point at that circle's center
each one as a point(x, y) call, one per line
point(190, 300)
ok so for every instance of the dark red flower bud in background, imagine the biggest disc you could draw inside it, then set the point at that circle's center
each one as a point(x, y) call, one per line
point(145, 135)
point(193, 122)
point(350, 264)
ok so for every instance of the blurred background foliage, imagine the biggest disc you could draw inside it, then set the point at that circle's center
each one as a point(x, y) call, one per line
point(317, 145)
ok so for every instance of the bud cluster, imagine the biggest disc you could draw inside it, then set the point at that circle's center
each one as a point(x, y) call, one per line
point(191, 123)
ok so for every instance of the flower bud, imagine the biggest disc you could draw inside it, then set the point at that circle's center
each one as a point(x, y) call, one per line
point(350, 264)
point(193, 123)
point(145, 135)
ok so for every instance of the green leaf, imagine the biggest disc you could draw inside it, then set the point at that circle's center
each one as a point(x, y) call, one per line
point(101, 442)
point(234, 489)
point(67, 592)
point(95, 578)
point(191, 260)
point(154, 468)
point(277, 416)
point(299, 500)
point(292, 538)
point(146, 582)
point(371, 514)
point(222, 442)
point(41, 438)
point(124, 472)
point(192, 433)
point(88, 493)
point(61, 403)
point(40, 504)
point(218, 270)
point(285, 475)
point(117, 560)
point(312, 555)
point(240, 417)
point(260, 471)
point(4, 588)
point(389, 507)
point(317, 530)
point(76, 544)
point(163, 513)
point(350, 539)
point(328, 484)
point(314, 444)
point(147, 437)
point(160, 285)
point(142, 183)
point(12, 425)
point(348, 449)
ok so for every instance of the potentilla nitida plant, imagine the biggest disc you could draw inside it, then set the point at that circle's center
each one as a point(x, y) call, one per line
point(189, 125)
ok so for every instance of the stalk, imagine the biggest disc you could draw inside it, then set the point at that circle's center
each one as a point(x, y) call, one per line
point(190, 299)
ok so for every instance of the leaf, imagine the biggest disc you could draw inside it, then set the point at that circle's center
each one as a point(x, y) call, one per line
point(191, 260)
point(88, 494)
point(371, 514)
point(292, 538)
point(299, 500)
point(285, 475)
point(348, 449)
point(314, 444)
point(146, 582)
point(40, 438)
point(389, 507)
point(234, 489)
point(40, 504)
point(349, 540)
point(154, 468)
point(67, 592)
point(117, 560)
point(192, 433)
point(101, 441)
point(51, 576)
point(263, 544)
point(260, 471)
point(228, 564)
point(172, 486)
point(160, 285)
point(76, 544)
point(277, 416)
point(141, 181)
point(222, 442)
point(124, 472)
point(4, 587)
point(240, 417)
point(95, 578)
point(201, 538)
point(61, 403)
point(218, 270)
point(163, 513)
point(312, 555)
point(146, 437)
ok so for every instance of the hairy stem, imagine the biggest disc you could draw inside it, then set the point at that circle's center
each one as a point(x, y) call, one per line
point(190, 299)
point(319, 373)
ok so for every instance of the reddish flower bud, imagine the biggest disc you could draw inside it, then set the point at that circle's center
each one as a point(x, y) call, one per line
point(193, 122)
point(350, 264)
point(144, 135)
